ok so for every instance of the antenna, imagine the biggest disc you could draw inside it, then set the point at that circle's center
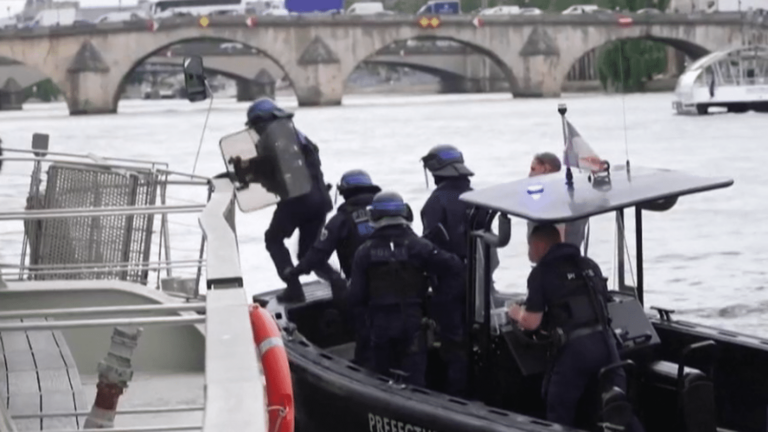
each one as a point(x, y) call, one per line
point(205, 125)
point(623, 102)
point(562, 109)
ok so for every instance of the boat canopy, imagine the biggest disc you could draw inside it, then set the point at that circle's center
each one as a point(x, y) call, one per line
point(548, 199)
point(737, 66)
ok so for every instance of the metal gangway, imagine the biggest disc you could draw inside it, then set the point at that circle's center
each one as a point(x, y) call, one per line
point(92, 225)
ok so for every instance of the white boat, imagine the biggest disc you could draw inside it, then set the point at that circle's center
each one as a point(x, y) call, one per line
point(735, 79)
point(95, 299)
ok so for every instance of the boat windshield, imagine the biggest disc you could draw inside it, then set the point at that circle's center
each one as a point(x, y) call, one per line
point(744, 66)
point(706, 60)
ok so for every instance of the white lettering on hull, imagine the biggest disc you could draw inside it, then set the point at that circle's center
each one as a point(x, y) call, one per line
point(385, 424)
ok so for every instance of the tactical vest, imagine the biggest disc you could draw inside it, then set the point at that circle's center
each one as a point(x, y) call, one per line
point(580, 305)
point(396, 282)
point(358, 220)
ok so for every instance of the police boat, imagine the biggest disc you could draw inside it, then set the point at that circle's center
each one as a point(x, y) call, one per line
point(682, 376)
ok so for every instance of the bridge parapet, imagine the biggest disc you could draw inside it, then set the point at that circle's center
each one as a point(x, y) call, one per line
point(315, 20)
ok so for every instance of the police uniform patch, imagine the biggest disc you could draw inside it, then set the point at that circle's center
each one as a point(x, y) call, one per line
point(323, 234)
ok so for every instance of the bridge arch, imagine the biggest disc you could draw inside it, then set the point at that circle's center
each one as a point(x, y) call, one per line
point(435, 70)
point(18, 72)
point(125, 73)
point(691, 49)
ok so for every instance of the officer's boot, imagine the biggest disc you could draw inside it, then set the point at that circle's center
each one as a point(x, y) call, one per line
point(294, 293)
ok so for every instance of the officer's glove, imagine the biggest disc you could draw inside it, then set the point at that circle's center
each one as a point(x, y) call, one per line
point(289, 273)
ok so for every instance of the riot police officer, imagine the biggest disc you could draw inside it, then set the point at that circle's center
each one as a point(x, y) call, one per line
point(567, 296)
point(347, 229)
point(344, 233)
point(389, 282)
point(445, 220)
point(306, 212)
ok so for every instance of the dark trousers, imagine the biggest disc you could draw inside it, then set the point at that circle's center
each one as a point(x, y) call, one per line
point(306, 213)
point(578, 365)
point(398, 342)
point(449, 317)
point(362, 332)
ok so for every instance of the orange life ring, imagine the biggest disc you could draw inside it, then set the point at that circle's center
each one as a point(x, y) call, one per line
point(274, 359)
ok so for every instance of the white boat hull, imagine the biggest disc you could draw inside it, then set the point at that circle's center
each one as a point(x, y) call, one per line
point(735, 79)
point(743, 98)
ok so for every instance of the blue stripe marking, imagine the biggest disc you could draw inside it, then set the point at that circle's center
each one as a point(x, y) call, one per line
point(356, 179)
point(391, 205)
point(449, 154)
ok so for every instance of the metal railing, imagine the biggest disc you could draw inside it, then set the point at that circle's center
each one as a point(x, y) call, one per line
point(95, 217)
point(232, 366)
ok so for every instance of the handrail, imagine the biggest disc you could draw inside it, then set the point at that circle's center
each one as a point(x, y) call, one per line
point(135, 168)
point(101, 211)
point(234, 384)
point(82, 156)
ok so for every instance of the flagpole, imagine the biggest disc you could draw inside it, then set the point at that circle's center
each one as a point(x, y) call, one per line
point(562, 109)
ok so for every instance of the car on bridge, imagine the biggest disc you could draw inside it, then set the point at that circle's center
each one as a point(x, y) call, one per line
point(510, 10)
point(585, 9)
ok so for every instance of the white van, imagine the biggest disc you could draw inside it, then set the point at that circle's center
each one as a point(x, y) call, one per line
point(134, 15)
point(501, 10)
point(366, 8)
point(54, 17)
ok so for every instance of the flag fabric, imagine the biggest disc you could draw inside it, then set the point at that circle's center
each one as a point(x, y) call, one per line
point(578, 154)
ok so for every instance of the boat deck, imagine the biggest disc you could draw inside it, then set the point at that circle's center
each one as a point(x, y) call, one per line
point(38, 375)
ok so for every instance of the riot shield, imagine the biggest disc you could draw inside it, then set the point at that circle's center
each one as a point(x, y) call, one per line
point(265, 169)
point(281, 143)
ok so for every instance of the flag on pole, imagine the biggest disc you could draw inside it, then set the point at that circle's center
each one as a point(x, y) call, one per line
point(578, 154)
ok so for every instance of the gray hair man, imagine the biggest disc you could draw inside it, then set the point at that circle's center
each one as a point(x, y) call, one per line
point(571, 232)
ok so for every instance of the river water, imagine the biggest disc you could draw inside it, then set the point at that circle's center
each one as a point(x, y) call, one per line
point(705, 258)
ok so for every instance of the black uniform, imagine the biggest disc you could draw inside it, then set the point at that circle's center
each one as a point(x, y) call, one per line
point(343, 233)
point(306, 212)
point(389, 281)
point(571, 293)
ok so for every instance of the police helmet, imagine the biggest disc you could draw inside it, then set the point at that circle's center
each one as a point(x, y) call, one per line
point(388, 208)
point(446, 161)
point(356, 181)
point(264, 109)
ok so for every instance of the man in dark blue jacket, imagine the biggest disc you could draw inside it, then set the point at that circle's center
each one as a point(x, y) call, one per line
point(568, 295)
point(389, 282)
point(445, 220)
point(344, 233)
point(306, 212)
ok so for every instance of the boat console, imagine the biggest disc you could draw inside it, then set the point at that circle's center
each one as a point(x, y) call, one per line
point(634, 334)
point(689, 391)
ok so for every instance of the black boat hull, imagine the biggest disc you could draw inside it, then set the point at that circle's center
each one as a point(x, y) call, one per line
point(332, 394)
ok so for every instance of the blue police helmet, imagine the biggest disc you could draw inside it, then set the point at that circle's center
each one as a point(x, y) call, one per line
point(446, 161)
point(356, 180)
point(388, 208)
point(263, 110)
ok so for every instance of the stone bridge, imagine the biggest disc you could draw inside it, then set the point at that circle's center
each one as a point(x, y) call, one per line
point(461, 69)
point(317, 53)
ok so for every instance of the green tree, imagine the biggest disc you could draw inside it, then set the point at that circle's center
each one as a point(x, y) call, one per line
point(627, 65)
point(46, 91)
